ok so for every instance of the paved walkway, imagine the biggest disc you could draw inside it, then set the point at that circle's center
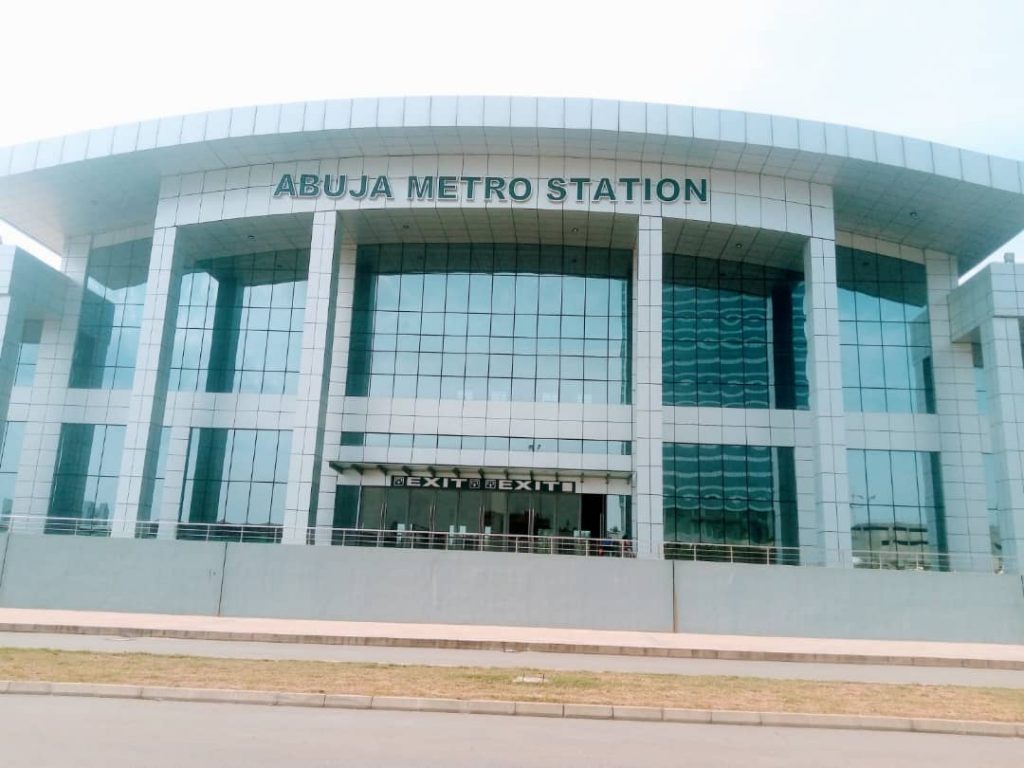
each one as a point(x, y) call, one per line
point(585, 662)
point(547, 640)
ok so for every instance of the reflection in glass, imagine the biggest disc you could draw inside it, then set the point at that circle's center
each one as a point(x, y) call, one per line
point(491, 322)
point(111, 316)
point(732, 335)
point(885, 333)
point(85, 481)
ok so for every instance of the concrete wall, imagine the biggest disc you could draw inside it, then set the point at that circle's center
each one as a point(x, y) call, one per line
point(493, 588)
point(102, 574)
point(449, 587)
point(832, 602)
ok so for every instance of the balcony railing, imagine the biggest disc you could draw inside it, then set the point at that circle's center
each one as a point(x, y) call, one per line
point(905, 558)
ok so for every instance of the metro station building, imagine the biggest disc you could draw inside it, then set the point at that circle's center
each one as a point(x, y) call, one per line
point(518, 324)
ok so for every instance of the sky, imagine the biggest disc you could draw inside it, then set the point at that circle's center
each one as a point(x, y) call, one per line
point(950, 71)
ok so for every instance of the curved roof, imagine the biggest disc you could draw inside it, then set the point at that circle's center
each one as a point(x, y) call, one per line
point(963, 202)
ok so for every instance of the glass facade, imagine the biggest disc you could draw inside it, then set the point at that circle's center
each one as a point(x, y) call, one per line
point(896, 509)
point(28, 353)
point(236, 478)
point(11, 434)
point(740, 497)
point(86, 478)
point(489, 443)
point(239, 324)
point(149, 514)
point(732, 335)
point(111, 316)
point(413, 514)
point(491, 322)
point(992, 504)
point(885, 334)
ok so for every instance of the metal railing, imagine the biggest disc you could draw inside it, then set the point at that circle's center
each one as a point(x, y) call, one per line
point(899, 559)
point(905, 559)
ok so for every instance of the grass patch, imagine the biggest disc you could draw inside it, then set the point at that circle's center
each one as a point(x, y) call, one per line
point(696, 692)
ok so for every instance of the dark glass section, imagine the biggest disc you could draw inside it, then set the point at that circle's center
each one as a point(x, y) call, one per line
point(732, 335)
point(235, 479)
point(898, 519)
point(885, 333)
point(11, 434)
point(735, 501)
point(111, 317)
point(85, 481)
point(980, 382)
point(28, 353)
point(149, 510)
point(992, 503)
point(470, 442)
point(491, 322)
point(239, 325)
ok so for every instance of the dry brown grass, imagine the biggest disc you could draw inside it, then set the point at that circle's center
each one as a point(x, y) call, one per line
point(698, 692)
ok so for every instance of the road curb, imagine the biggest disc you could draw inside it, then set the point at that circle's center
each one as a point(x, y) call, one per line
point(516, 708)
point(518, 646)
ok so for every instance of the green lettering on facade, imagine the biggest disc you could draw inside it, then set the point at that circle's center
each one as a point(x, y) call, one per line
point(701, 192)
point(286, 186)
point(580, 182)
point(524, 187)
point(447, 188)
point(673, 190)
point(309, 185)
point(494, 185)
point(420, 190)
point(364, 187)
point(556, 190)
point(382, 188)
point(604, 190)
point(471, 182)
point(630, 182)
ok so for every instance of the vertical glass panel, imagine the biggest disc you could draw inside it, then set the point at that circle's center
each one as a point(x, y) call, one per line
point(469, 313)
point(884, 328)
point(240, 318)
point(110, 316)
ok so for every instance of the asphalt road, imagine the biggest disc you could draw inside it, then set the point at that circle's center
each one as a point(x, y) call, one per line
point(58, 732)
point(553, 661)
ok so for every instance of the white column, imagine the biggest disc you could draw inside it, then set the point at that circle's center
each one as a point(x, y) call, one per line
point(827, 417)
point(304, 470)
point(335, 392)
point(1004, 372)
point(148, 399)
point(648, 477)
point(956, 405)
point(49, 389)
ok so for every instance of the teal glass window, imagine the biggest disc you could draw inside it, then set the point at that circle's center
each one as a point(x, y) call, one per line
point(85, 481)
point(980, 382)
point(28, 353)
point(239, 324)
point(235, 479)
point(11, 434)
point(491, 322)
point(111, 316)
point(149, 511)
point(732, 335)
point(885, 333)
point(896, 508)
point(733, 500)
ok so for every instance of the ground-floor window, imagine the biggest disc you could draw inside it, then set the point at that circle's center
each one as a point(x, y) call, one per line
point(85, 481)
point(235, 483)
point(730, 502)
point(483, 518)
point(898, 519)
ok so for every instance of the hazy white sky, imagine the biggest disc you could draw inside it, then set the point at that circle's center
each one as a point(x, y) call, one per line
point(946, 70)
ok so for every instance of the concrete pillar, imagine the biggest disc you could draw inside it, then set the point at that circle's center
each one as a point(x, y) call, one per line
point(148, 399)
point(335, 391)
point(49, 389)
point(304, 469)
point(963, 474)
point(648, 477)
point(1004, 373)
point(827, 416)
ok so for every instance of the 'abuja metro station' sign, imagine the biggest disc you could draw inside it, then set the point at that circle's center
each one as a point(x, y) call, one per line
point(518, 189)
